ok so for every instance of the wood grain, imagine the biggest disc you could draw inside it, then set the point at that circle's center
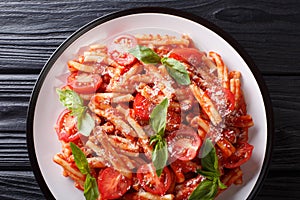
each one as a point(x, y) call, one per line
point(19, 185)
point(31, 31)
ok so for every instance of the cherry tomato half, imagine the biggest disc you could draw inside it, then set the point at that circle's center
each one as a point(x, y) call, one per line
point(142, 107)
point(242, 154)
point(84, 82)
point(151, 182)
point(219, 95)
point(230, 99)
point(112, 184)
point(66, 127)
point(188, 55)
point(183, 144)
point(119, 47)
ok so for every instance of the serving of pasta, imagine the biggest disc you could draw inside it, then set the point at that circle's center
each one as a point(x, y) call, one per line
point(150, 116)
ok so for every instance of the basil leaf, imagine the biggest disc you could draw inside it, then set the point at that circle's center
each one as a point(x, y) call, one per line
point(221, 185)
point(181, 78)
point(206, 190)
point(158, 117)
point(70, 99)
point(158, 121)
point(155, 138)
point(209, 161)
point(90, 188)
point(145, 54)
point(80, 159)
point(207, 173)
point(176, 70)
point(90, 184)
point(160, 156)
point(78, 111)
point(174, 64)
point(73, 102)
point(87, 124)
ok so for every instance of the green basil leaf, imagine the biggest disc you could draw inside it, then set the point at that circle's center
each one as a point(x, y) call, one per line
point(221, 185)
point(80, 159)
point(207, 174)
point(90, 188)
point(145, 54)
point(210, 169)
point(78, 111)
point(155, 138)
point(180, 78)
point(90, 184)
point(158, 117)
point(214, 190)
point(206, 190)
point(176, 70)
point(209, 160)
point(158, 121)
point(87, 124)
point(70, 99)
point(160, 156)
point(174, 64)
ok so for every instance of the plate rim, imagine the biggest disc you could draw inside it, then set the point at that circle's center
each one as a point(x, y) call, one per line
point(155, 10)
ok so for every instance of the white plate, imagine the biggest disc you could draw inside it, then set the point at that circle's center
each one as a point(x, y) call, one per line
point(45, 107)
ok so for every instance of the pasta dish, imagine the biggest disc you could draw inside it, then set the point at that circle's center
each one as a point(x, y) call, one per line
point(152, 117)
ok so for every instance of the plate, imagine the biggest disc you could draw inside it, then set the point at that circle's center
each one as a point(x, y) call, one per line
point(44, 107)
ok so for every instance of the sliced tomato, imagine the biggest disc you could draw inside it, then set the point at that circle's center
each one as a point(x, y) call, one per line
point(119, 47)
point(242, 154)
point(151, 182)
point(66, 127)
point(112, 184)
point(190, 56)
point(82, 82)
point(230, 99)
point(184, 144)
point(142, 107)
point(218, 95)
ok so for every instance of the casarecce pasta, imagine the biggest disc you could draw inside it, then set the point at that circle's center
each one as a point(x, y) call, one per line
point(120, 91)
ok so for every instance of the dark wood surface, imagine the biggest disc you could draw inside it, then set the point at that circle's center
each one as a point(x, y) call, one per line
point(30, 31)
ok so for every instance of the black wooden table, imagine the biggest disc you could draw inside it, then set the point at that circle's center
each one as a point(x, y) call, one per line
point(31, 30)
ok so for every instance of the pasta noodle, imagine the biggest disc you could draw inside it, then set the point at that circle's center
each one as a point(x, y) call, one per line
point(120, 91)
